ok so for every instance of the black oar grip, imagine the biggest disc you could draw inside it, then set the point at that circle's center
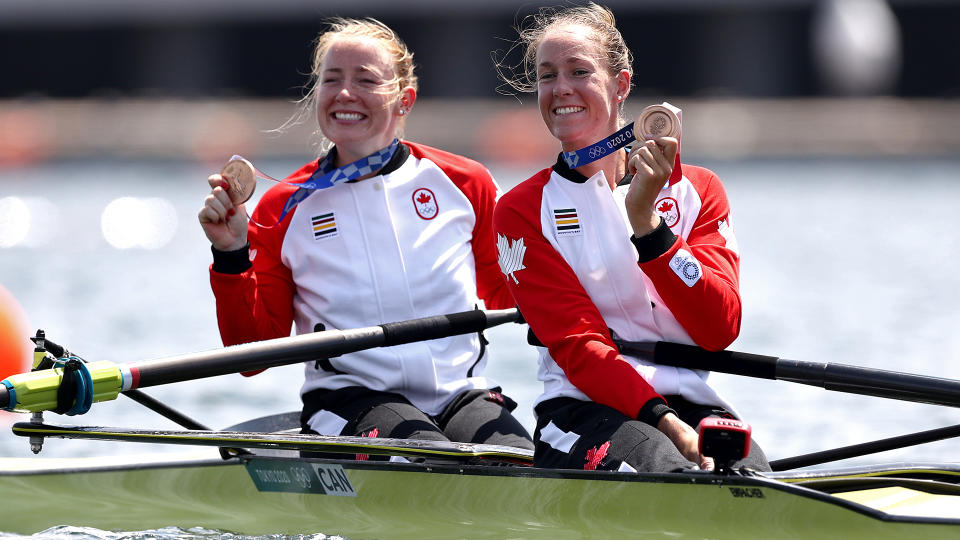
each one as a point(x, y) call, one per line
point(467, 322)
point(737, 363)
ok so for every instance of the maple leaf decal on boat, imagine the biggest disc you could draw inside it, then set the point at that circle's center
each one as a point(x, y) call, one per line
point(510, 256)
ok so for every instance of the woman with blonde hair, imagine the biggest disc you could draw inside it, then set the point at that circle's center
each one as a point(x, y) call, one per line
point(376, 230)
point(622, 244)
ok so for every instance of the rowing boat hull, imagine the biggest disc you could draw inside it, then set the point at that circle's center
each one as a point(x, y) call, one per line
point(404, 500)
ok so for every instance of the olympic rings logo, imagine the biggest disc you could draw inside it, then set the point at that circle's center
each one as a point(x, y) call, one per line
point(597, 151)
point(690, 270)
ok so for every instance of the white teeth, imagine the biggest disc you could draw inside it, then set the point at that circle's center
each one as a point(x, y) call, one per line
point(567, 110)
point(347, 116)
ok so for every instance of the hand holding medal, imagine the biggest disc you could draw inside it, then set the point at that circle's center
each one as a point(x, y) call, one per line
point(238, 180)
point(653, 162)
point(655, 121)
point(224, 226)
point(241, 178)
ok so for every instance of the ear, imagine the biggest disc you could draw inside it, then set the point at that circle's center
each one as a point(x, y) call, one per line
point(408, 96)
point(623, 85)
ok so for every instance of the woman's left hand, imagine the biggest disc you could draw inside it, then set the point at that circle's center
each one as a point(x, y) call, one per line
point(651, 164)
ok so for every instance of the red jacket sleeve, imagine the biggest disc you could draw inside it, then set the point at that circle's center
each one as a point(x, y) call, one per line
point(257, 303)
point(558, 309)
point(710, 311)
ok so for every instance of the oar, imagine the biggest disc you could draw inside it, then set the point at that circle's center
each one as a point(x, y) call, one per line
point(143, 399)
point(864, 449)
point(448, 450)
point(36, 391)
point(836, 377)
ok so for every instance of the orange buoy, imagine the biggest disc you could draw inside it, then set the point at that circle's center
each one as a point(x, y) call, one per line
point(16, 348)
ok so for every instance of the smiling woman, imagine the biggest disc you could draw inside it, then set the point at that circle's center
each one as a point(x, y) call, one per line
point(583, 280)
point(353, 239)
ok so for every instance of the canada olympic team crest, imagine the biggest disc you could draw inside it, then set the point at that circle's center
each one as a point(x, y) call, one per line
point(425, 203)
point(669, 210)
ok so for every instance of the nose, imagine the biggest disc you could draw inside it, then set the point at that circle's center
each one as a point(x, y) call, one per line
point(561, 86)
point(344, 94)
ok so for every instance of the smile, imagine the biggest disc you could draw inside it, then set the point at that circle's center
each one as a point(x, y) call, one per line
point(560, 111)
point(350, 116)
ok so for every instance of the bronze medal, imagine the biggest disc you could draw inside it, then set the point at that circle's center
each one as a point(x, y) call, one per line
point(241, 178)
point(657, 121)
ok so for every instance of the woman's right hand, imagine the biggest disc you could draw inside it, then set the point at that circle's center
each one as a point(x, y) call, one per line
point(224, 223)
point(685, 438)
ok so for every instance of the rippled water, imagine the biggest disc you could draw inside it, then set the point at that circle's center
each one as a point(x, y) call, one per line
point(848, 261)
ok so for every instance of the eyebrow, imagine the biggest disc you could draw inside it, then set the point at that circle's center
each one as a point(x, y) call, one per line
point(358, 69)
point(569, 60)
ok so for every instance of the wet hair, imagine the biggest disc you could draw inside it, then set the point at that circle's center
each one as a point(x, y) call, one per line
point(403, 66)
point(366, 28)
point(522, 77)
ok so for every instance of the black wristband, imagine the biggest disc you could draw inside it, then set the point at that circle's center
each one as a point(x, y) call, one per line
point(653, 410)
point(655, 243)
point(231, 262)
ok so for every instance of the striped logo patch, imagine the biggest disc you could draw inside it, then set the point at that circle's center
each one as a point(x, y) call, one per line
point(324, 226)
point(567, 221)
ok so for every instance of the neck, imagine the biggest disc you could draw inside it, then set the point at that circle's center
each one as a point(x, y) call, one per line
point(614, 167)
point(345, 156)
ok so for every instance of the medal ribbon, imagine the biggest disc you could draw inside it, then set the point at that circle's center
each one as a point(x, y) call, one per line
point(327, 176)
point(620, 139)
point(589, 154)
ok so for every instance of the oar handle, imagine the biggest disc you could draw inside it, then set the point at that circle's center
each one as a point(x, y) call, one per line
point(306, 347)
point(689, 356)
point(466, 322)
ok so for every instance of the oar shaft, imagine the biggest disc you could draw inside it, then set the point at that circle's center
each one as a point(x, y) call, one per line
point(306, 347)
point(863, 449)
point(836, 377)
point(153, 404)
point(256, 355)
point(871, 382)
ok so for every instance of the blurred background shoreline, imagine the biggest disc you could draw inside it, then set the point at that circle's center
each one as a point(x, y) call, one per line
point(211, 130)
point(179, 79)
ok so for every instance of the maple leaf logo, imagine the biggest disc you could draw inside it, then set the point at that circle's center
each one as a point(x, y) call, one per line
point(595, 456)
point(665, 207)
point(425, 203)
point(511, 256)
point(372, 433)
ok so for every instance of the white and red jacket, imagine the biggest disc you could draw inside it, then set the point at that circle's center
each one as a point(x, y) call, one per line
point(414, 241)
point(567, 254)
